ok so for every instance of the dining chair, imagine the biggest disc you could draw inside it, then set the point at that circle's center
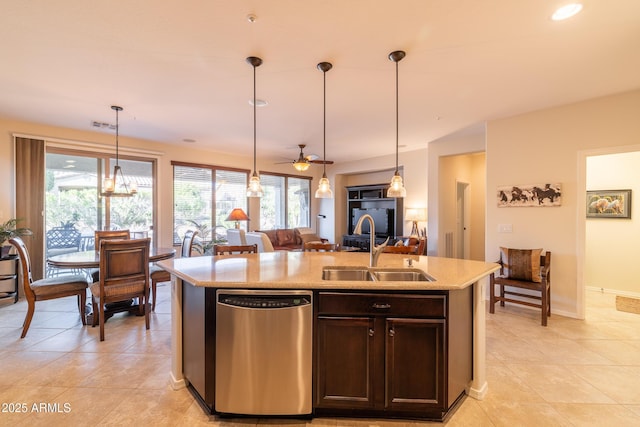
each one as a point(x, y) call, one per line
point(410, 249)
point(49, 288)
point(235, 249)
point(101, 235)
point(124, 275)
point(319, 247)
point(157, 274)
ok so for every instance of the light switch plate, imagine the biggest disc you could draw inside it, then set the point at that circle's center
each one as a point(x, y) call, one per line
point(505, 228)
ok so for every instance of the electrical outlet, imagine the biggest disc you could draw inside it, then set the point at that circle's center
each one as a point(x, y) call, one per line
point(505, 228)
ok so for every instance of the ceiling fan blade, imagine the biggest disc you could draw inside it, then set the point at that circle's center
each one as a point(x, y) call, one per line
point(321, 162)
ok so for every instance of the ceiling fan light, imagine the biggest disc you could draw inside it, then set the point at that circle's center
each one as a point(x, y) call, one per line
point(396, 189)
point(324, 189)
point(301, 165)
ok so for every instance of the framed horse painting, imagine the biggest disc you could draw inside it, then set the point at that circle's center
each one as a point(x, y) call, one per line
point(536, 195)
point(609, 204)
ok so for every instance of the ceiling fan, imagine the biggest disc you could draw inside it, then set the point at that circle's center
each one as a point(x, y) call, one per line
point(303, 162)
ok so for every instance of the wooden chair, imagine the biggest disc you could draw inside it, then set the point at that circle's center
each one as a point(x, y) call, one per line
point(101, 235)
point(157, 274)
point(319, 247)
point(505, 280)
point(235, 249)
point(409, 250)
point(50, 288)
point(124, 275)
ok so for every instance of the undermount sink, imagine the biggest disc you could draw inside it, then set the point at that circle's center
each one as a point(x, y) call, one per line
point(401, 275)
point(364, 274)
point(346, 273)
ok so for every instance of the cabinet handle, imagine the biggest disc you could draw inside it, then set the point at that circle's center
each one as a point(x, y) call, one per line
point(379, 306)
point(370, 332)
point(392, 332)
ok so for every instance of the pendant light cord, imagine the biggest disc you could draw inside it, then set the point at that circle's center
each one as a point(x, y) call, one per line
point(254, 120)
point(396, 117)
point(324, 124)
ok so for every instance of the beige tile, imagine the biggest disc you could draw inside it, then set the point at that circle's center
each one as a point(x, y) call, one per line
point(16, 366)
point(559, 384)
point(521, 414)
point(620, 383)
point(598, 415)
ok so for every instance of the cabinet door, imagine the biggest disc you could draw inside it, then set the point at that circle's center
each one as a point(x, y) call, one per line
point(415, 364)
point(345, 362)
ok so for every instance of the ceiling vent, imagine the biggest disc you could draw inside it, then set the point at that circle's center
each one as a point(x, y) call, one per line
point(102, 125)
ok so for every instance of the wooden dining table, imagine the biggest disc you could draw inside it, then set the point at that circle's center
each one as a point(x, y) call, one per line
point(91, 260)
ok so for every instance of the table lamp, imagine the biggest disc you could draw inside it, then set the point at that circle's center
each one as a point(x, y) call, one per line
point(414, 215)
point(237, 215)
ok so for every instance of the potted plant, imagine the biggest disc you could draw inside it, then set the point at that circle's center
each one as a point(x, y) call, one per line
point(8, 230)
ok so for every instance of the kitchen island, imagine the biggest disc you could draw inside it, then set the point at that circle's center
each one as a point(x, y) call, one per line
point(430, 349)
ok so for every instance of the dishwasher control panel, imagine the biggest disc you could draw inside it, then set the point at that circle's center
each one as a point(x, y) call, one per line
point(264, 301)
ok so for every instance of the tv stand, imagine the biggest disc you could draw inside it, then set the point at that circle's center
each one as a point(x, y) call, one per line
point(361, 241)
point(372, 197)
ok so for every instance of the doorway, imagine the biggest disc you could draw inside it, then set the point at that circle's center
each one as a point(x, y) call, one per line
point(463, 221)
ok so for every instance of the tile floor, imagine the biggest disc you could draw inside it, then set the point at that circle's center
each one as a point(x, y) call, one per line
point(572, 373)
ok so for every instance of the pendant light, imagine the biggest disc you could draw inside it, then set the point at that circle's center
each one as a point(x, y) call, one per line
point(254, 189)
point(110, 185)
point(396, 189)
point(324, 186)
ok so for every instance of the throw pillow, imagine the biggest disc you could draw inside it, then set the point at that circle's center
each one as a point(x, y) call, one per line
point(521, 264)
point(312, 237)
point(286, 237)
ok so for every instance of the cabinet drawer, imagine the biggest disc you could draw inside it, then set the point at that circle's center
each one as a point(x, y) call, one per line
point(381, 304)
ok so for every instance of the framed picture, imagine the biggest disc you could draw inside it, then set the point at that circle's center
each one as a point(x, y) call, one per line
point(609, 204)
point(534, 195)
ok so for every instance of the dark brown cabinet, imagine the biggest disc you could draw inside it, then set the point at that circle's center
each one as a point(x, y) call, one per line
point(386, 355)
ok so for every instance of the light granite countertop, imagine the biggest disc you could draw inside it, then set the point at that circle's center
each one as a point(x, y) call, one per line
point(303, 270)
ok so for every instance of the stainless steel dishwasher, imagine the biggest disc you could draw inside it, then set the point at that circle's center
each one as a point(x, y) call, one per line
point(263, 352)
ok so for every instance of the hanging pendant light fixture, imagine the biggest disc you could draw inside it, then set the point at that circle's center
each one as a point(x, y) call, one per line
point(396, 189)
point(254, 189)
point(324, 186)
point(110, 185)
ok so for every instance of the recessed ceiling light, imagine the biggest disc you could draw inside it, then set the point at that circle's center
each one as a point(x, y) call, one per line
point(70, 161)
point(68, 166)
point(259, 103)
point(566, 12)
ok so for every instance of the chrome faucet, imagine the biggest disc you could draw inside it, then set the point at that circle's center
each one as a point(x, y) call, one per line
point(374, 251)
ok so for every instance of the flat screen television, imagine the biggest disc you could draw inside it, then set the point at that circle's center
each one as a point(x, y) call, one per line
point(382, 219)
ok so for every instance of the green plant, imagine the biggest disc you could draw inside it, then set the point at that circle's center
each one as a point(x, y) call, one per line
point(9, 230)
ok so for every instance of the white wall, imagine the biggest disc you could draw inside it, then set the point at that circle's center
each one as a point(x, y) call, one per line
point(549, 146)
point(612, 245)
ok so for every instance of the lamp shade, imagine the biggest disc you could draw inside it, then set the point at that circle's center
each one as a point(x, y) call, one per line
point(415, 214)
point(237, 214)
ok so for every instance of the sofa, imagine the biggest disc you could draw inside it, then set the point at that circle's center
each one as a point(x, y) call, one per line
point(291, 239)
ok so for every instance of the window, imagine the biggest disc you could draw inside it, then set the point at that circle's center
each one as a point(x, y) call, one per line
point(203, 197)
point(72, 183)
point(285, 203)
